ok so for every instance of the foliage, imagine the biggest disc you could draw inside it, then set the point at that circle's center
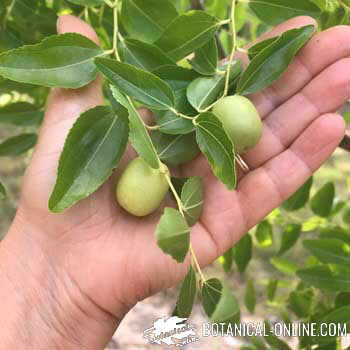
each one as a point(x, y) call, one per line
point(166, 56)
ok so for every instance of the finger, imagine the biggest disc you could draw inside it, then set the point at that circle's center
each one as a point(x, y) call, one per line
point(279, 178)
point(63, 108)
point(229, 215)
point(323, 50)
point(325, 93)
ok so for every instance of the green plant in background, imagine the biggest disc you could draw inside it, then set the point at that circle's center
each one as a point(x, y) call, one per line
point(166, 56)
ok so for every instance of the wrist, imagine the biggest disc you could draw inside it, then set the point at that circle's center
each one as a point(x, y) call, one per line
point(41, 305)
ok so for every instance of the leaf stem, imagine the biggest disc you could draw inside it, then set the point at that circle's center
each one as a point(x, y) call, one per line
point(108, 3)
point(115, 29)
point(180, 114)
point(181, 209)
point(234, 46)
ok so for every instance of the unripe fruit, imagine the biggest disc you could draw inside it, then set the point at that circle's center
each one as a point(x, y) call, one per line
point(241, 121)
point(141, 189)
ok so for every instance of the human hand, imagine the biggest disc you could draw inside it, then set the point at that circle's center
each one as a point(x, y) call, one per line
point(81, 271)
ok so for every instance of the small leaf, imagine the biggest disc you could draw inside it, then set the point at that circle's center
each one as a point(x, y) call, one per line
point(21, 113)
point(147, 20)
point(285, 266)
point(92, 150)
point(322, 202)
point(300, 302)
point(173, 234)
point(187, 33)
point(323, 277)
point(203, 91)
point(227, 259)
point(329, 251)
point(335, 232)
point(264, 234)
point(48, 63)
point(205, 61)
point(16, 145)
point(290, 236)
point(270, 63)
point(299, 198)
point(346, 216)
point(175, 149)
point(271, 289)
point(192, 199)
point(177, 77)
point(219, 303)
point(2, 191)
point(274, 12)
point(243, 252)
point(138, 134)
point(143, 55)
point(187, 295)
point(217, 147)
point(145, 87)
point(250, 297)
point(274, 341)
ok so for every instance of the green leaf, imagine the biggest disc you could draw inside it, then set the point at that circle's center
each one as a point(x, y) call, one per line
point(260, 46)
point(299, 198)
point(290, 236)
point(48, 63)
point(91, 151)
point(203, 91)
point(205, 61)
point(271, 289)
point(217, 147)
point(147, 20)
point(322, 202)
point(173, 234)
point(187, 33)
point(335, 232)
point(264, 234)
point(187, 295)
point(285, 266)
point(274, 12)
point(178, 78)
point(329, 251)
point(342, 299)
point(9, 39)
point(21, 113)
point(219, 303)
point(226, 260)
point(192, 199)
point(243, 252)
point(274, 341)
point(250, 297)
point(346, 216)
point(300, 302)
point(138, 134)
point(323, 277)
point(175, 149)
point(2, 191)
point(270, 63)
point(143, 55)
point(16, 145)
point(145, 87)
point(87, 2)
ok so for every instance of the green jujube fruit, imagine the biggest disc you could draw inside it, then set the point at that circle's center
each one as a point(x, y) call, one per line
point(241, 121)
point(141, 189)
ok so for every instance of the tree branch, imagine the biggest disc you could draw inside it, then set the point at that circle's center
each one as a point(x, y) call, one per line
point(345, 144)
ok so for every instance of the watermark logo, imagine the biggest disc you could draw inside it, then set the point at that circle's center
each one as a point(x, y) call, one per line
point(172, 331)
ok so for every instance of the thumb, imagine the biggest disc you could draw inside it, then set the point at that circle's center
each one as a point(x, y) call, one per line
point(63, 108)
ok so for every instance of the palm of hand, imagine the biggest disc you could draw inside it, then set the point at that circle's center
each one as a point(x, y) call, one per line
point(111, 257)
